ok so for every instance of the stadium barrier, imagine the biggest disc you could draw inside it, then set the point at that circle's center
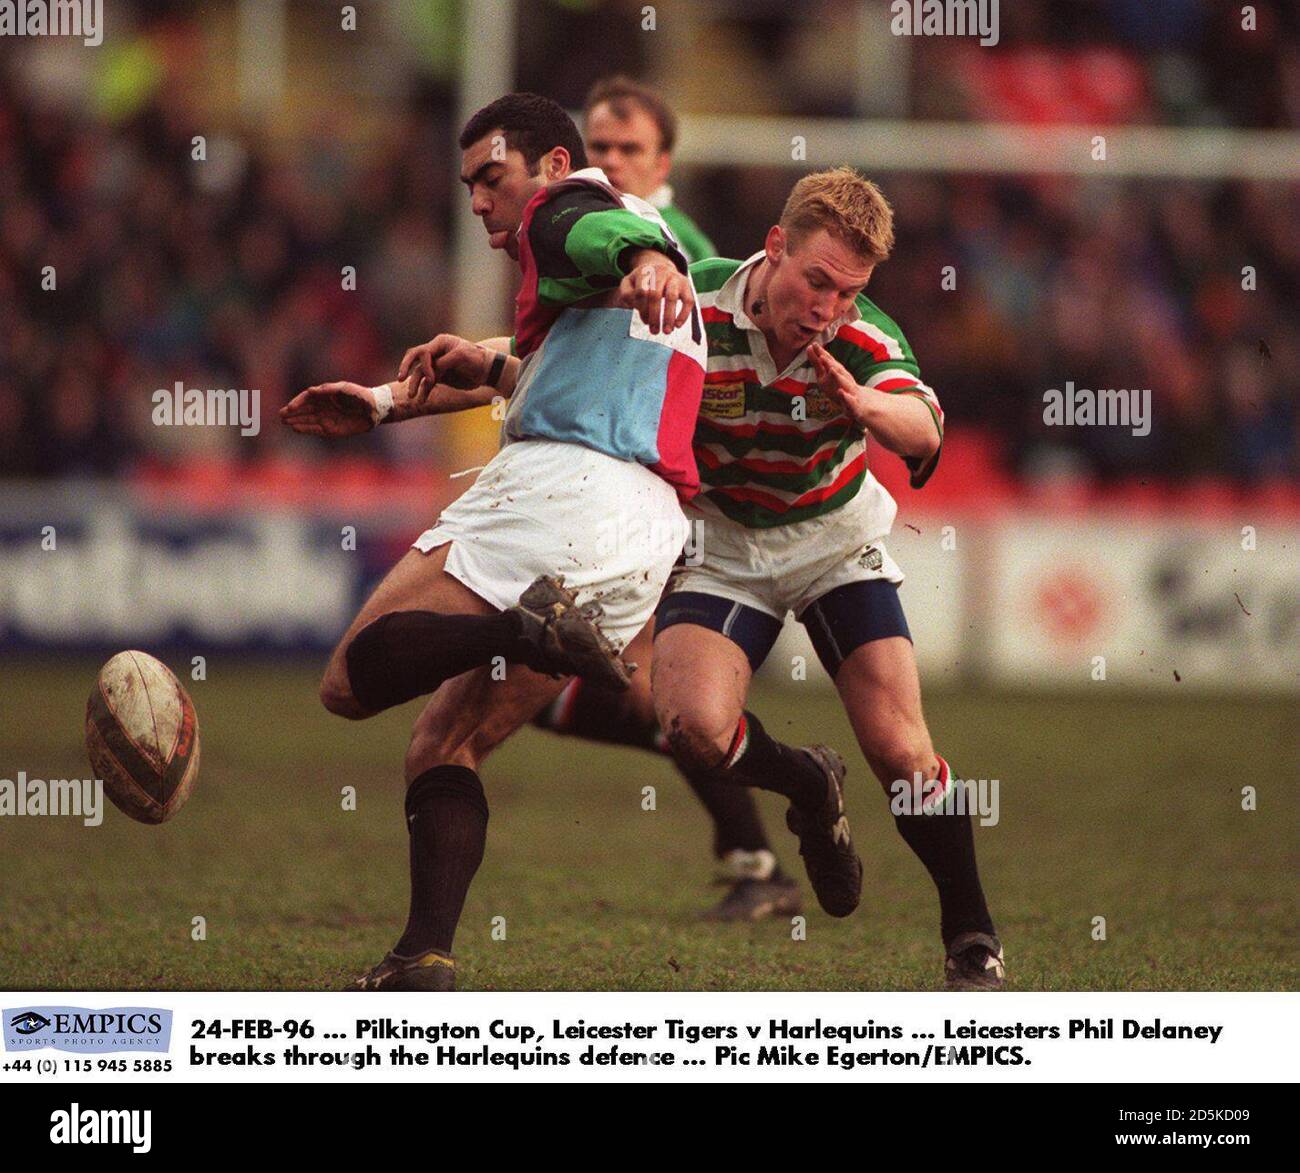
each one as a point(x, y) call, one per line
point(1021, 595)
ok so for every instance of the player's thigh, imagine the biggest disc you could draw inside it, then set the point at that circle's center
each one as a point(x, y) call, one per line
point(471, 714)
point(419, 582)
point(700, 679)
point(881, 690)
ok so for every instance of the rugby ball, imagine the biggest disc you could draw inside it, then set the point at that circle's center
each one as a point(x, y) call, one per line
point(143, 737)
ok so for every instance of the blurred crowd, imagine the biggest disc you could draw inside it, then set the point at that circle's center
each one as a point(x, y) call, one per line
point(1108, 285)
point(128, 265)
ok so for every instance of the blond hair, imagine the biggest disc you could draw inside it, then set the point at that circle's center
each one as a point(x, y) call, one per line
point(848, 205)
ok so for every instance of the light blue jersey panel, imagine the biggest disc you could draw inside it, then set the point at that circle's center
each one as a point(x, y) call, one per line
point(592, 382)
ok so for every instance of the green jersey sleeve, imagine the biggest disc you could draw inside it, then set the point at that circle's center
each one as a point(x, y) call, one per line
point(582, 245)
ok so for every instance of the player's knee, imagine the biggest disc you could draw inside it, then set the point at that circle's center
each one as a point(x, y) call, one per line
point(337, 697)
point(901, 757)
point(698, 735)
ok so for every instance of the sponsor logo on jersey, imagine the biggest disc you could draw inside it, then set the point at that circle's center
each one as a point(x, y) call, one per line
point(723, 401)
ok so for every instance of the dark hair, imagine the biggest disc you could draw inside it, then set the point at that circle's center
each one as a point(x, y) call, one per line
point(532, 125)
point(619, 91)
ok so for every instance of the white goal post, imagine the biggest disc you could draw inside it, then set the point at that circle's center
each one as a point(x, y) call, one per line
point(994, 148)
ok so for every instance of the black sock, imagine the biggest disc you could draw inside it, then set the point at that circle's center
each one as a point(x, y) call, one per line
point(406, 654)
point(945, 843)
point(584, 710)
point(446, 818)
point(596, 714)
point(736, 823)
point(756, 759)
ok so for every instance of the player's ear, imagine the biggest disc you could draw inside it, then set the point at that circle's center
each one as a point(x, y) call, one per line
point(556, 164)
point(777, 243)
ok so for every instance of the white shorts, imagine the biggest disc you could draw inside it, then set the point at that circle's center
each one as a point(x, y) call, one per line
point(611, 528)
point(787, 567)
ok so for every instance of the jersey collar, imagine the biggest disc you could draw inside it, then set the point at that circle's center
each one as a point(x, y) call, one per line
point(590, 173)
point(731, 300)
point(731, 297)
point(661, 197)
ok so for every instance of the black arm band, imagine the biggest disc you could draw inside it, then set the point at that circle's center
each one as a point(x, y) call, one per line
point(496, 369)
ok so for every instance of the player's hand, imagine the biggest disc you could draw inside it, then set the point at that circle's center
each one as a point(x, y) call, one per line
point(332, 409)
point(447, 359)
point(659, 293)
point(838, 385)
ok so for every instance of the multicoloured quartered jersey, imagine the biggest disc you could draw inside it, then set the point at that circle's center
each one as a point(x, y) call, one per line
point(592, 373)
point(772, 449)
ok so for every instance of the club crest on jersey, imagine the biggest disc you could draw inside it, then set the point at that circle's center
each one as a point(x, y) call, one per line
point(723, 401)
point(819, 405)
point(871, 558)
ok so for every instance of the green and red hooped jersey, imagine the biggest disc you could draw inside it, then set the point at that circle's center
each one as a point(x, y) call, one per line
point(771, 448)
point(594, 375)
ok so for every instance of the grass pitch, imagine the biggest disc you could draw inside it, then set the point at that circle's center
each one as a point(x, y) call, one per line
point(1112, 805)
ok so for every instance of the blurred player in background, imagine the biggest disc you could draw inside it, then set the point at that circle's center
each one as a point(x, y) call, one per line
point(630, 132)
point(574, 447)
point(802, 367)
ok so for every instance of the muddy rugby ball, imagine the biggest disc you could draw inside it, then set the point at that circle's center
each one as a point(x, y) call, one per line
point(142, 737)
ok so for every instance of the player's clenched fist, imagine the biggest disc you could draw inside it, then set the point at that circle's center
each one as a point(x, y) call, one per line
point(332, 409)
point(447, 359)
point(659, 293)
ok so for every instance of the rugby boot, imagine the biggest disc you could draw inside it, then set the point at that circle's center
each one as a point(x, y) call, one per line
point(833, 866)
point(974, 962)
point(427, 971)
point(564, 637)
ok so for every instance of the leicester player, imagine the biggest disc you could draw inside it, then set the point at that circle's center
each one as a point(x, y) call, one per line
point(803, 367)
point(599, 427)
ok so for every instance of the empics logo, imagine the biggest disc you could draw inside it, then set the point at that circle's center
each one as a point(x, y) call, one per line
point(86, 1031)
point(29, 1023)
point(78, 1125)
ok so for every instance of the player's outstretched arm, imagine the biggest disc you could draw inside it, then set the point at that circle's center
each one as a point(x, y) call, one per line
point(450, 373)
point(340, 409)
point(335, 410)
